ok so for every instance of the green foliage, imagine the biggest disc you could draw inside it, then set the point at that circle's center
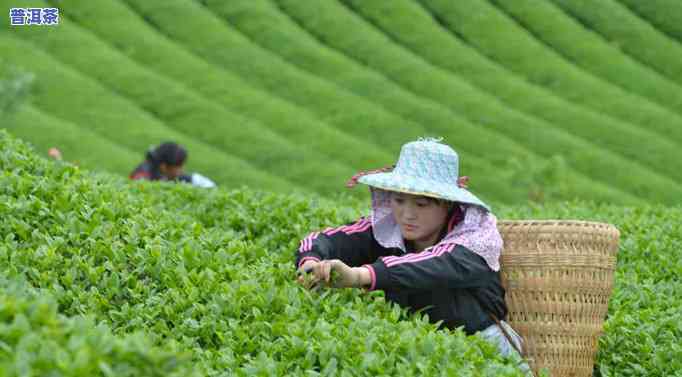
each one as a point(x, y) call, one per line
point(594, 53)
point(543, 182)
point(645, 331)
point(413, 27)
point(345, 31)
point(14, 87)
point(262, 22)
point(60, 89)
point(665, 15)
point(630, 33)
point(201, 31)
point(35, 340)
point(209, 274)
point(183, 110)
point(522, 53)
point(120, 27)
point(546, 101)
point(283, 93)
point(78, 145)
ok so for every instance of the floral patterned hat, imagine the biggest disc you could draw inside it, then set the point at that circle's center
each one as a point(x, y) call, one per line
point(425, 167)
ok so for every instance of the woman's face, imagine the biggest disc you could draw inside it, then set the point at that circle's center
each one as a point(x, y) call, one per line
point(420, 219)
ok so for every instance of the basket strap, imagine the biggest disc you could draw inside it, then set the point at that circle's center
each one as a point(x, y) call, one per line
point(506, 335)
point(521, 352)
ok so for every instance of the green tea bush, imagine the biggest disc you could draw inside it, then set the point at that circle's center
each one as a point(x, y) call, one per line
point(78, 145)
point(342, 29)
point(209, 274)
point(210, 38)
point(272, 29)
point(483, 26)
point(665, 15)
point(35, 340)
point(324, 100)
point(62, 89)
point(183, 110)
point(216, 279)
point(351, 113)
point(15, 84)
point(548, 23)
point(115, 23)
point(630, 33)
point(265, 24)
point(413, 27)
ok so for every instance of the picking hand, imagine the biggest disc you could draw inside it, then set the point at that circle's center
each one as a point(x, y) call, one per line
point(345, 276)
point(307, 276)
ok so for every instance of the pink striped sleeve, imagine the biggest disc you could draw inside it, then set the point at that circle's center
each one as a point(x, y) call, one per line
point(359, 226)
point(432, 252)
point(307, 243)
point(372, 275)
point(303, 260)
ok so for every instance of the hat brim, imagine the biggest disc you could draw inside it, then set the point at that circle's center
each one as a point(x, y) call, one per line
point(420, 186)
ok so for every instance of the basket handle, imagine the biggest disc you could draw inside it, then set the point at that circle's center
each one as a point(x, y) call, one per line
point(521, 352)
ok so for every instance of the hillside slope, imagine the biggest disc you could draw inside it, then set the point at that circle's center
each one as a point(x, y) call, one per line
point(554, 101)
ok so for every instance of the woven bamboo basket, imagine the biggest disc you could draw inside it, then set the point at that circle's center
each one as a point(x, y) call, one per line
point(559, 277)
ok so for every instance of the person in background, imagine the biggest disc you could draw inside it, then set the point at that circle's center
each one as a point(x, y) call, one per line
point(165, 163)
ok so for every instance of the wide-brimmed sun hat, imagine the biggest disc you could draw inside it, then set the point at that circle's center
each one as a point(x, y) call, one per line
point(426, 167)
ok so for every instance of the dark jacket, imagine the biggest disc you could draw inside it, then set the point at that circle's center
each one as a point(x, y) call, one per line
point(454, 284)
point(146, 170)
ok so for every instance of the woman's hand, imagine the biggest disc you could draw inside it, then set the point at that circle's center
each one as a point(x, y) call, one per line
point(307, 276)
point(345, 276)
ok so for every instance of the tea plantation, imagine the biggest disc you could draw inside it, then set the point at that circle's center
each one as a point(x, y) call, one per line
point(559, 109)
point(103, 277)
point(298, 96)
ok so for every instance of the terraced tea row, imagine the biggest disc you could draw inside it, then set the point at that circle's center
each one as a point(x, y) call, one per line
point(301, 97)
